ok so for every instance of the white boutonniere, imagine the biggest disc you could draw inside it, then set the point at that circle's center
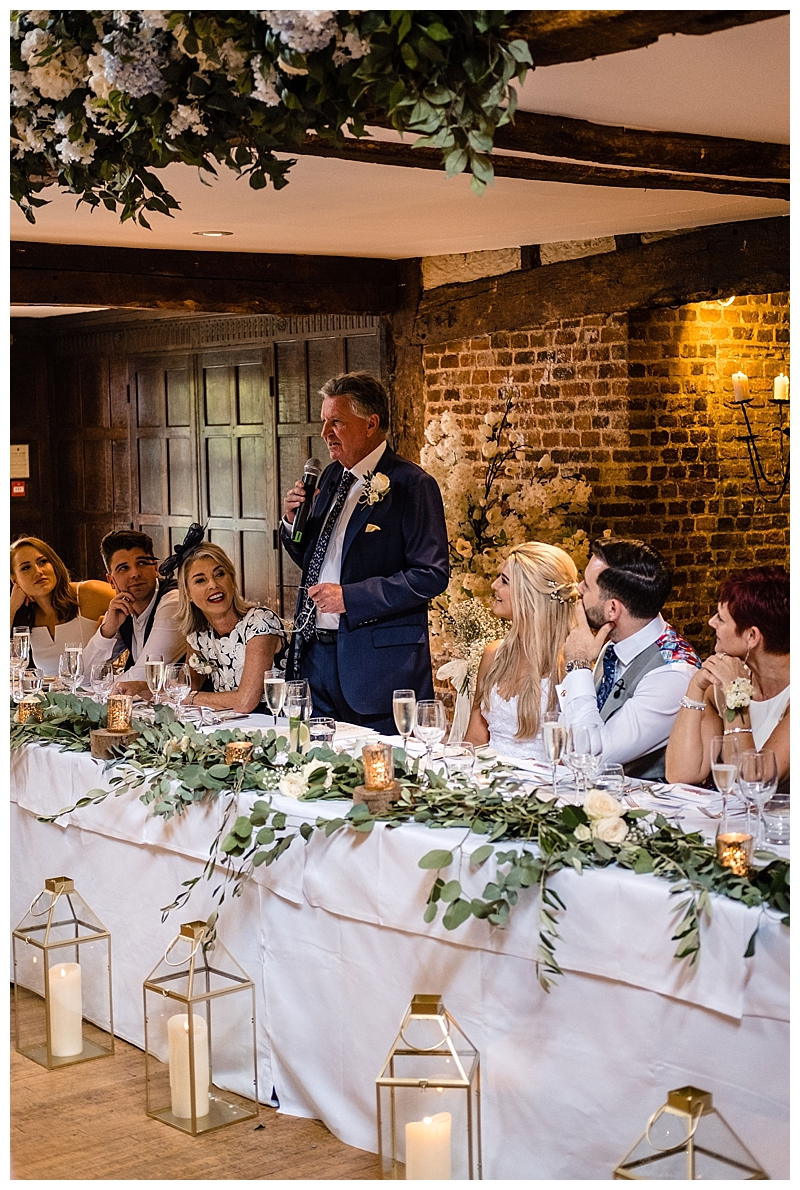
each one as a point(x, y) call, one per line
point(376, 485)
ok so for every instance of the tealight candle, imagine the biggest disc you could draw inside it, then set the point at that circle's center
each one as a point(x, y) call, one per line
point(378, 762)
point(238, 752)
point(735, 851)
point(780, 388)
point(120, 708)
point(428, 1148)
point(741, 387)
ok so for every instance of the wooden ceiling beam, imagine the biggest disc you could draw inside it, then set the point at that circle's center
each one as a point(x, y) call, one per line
point(375, 152)
point(199, 282)
point(567, 35)
point(739, 258)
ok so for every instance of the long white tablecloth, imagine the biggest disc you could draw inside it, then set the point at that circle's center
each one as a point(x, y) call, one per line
point(334, 937)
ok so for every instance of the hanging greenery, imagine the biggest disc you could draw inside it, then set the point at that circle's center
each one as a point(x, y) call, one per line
point(176, 767)
point(101, 99)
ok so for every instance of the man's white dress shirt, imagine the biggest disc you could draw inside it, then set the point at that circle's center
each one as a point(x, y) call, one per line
point(644, 721)
point(164, 640)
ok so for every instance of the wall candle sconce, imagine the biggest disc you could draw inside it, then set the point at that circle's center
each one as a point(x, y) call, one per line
point(770, 489)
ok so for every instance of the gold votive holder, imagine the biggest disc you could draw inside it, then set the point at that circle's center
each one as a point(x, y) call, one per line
point(378, 761)
point(120, 709)
point(29, 708)
point(238, 752)
point(735, 851)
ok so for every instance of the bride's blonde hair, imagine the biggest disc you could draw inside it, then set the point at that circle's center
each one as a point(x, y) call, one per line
point(543, 585)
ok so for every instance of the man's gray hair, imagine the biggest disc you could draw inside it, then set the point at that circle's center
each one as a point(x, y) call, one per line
point(365, 393)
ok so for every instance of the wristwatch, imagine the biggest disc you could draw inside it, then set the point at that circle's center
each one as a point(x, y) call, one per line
point(583, 663)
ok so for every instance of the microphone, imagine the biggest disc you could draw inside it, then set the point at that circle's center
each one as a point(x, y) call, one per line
point(311, 473)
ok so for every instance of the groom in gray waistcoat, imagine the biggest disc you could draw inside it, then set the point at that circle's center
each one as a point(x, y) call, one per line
point(627, 669)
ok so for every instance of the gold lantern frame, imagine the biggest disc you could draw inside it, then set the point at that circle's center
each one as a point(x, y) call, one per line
point(680, 1161)
point(62, 934)
point(451, 1046)
point(199, 986)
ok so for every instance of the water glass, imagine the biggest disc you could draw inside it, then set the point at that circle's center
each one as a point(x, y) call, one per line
point(28, 684)
point(177, 684)
point(321, 730)
point(584, 751)
point(274, 692)
point(611, 778)
point(298, 709)
point(459, 761)
point(404, 709)
point(776, 819)
point(430, 724)
point(102, 678)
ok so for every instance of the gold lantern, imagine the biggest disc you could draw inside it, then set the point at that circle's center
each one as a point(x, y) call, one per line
point(62, 979)
point(200, 1031)
point(429, 1122)
point(686, 1139)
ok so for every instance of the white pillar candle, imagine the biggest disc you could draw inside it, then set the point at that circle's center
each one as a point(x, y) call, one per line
point(741, 387)
point(179, 1081)
point(428, 1148)
point(66, 1010)
point(780, 390)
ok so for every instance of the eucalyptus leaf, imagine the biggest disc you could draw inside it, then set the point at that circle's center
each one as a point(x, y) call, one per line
point(436, 859)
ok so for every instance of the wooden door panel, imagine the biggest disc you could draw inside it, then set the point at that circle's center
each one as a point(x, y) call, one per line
point(150, 384)
point(227, 539)
point(363, 354)
point(255, 570)
point(219, 477)
point(152, 470)
point(179, 397)
point(219, 384)
point(251, 394)
point(97, 464)
point(290, 376)
point(180, 473)
point(95, 405)
point(252, 477)
point(325, 360)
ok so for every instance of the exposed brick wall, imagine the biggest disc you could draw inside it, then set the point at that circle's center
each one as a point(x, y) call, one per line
point(640, 402)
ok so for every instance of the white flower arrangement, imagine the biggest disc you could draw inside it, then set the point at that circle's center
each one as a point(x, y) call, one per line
point(606, 817)
point(376, 486)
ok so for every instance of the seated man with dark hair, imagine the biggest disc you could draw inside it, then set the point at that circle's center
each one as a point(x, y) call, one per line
point(632, 686)
point(142, 618)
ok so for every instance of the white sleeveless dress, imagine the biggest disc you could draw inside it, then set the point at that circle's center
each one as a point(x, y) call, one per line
point(46, 651)
point(501, 718)
point(766, 715)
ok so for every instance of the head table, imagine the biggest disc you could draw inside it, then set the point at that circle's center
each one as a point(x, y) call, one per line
point(334, 938)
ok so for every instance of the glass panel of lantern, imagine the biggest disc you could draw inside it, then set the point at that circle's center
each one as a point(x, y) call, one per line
point(429, 1098)
point(200, 1035)
point(686, 1139)
point(62, 979)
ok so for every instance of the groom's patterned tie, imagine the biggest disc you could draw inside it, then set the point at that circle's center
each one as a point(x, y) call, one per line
point(306, 615)
point(609, 670)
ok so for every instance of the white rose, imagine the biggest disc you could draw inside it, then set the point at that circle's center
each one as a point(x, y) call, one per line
point(582, 832)
point(610, 830)
point(293, 784)
point(489, 450)
point(314, 766)
point(380, 482)
point(602, 805)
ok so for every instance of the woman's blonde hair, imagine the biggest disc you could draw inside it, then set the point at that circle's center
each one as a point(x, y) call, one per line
point(63, 599)
point(190, 618)
point(543, 585)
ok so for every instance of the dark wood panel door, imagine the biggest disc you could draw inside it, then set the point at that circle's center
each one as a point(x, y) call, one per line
point(239, 492)
point(164, 447)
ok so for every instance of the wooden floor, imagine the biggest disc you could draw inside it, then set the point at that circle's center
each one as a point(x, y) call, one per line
point(87, 1122)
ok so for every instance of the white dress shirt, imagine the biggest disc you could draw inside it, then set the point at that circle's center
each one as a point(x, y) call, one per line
point(331, 570)
point(644, 721)
point(164, 640)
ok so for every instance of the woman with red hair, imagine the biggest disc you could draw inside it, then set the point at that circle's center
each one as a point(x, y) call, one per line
point(748, 673)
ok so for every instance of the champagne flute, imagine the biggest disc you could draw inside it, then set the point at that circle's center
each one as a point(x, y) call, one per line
point(404, 709)
point(430, 725)
point(274, 692)
point(554, 739)
point(724, 752)
point(154, 672)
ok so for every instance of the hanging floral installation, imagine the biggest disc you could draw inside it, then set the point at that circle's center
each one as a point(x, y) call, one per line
point(101, 99)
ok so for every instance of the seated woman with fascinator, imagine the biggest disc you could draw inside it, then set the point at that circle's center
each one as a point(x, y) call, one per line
point(746, 678)
point(230, 642)
point(537, 591)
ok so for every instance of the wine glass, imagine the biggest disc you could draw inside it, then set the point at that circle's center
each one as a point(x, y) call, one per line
point(554, 739)
point(154, 672)
point(724, 754)
point(430, 725)
point(102, 678)
point(274, 692)
point(177, 684)
point(758, 779)
point(70, 667)
point(404, 709)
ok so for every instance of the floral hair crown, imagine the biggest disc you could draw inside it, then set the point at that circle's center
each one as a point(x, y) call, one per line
point(563, 592)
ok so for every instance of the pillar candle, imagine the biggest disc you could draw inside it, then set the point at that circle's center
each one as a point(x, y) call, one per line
point(741, 387)
point(780, 390)
point(179, 1081)
point(428, 1148)
point(66, 1011)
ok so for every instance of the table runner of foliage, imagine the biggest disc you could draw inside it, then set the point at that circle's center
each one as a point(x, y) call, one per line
point(174, 767)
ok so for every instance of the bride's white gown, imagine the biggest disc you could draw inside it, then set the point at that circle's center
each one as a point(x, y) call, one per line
point(501, 718)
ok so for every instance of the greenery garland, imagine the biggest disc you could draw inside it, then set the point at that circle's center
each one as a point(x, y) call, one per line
point(102, 98)
point(174, 766)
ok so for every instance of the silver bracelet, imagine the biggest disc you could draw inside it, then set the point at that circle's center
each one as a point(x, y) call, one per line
point(689, 704)
point(736, 730)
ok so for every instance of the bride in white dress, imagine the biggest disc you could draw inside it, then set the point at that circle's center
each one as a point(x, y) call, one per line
point(537, 591)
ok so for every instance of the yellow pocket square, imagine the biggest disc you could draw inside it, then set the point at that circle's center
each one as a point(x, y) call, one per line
point(372, 528)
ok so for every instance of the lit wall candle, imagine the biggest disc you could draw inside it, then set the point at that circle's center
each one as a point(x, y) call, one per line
point(741, 387)
point(179, 1081)
point(780, 388)
point(66, 1010)
point(428, 1148)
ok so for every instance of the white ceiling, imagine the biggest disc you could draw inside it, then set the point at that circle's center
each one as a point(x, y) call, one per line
point(734, 83)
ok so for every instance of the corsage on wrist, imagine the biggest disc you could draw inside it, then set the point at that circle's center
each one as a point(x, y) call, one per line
point(738, 695)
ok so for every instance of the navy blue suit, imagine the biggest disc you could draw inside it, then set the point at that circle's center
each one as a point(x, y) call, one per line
point(388, 575)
